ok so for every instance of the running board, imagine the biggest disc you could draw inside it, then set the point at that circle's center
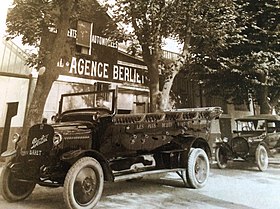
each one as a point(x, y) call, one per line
point(143, 173)
point(274, 160)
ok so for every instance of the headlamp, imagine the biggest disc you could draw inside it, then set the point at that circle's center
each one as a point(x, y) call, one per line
point(57, 138)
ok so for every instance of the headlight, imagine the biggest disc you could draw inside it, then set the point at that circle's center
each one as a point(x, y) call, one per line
point(16, 138)
point(57, 139)
point(218, 139)
point(225, 139)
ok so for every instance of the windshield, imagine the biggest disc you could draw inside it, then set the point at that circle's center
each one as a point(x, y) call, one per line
point(254, 125)
point(85, 100)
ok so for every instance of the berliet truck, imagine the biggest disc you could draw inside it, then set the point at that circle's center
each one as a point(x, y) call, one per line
point(88, 145)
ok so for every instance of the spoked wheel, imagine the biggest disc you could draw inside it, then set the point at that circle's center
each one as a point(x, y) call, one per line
point(13, 189)
point(261, 158)
point(198, 168)
point(221, 157)
point(83, 184)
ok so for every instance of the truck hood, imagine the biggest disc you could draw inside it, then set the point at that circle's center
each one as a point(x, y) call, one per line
point(254, 137)
point(250, 134)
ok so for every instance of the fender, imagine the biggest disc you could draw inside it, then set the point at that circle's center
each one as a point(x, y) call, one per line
point(254, 146)
point(188, 142)
point(224, 145)
point(72, 156)
point(9, 153)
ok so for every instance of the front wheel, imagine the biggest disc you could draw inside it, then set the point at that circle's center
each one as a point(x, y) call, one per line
point(261, 157)
point(198, 168)
point(83, 184)
point(221, 157)
point(11, 188)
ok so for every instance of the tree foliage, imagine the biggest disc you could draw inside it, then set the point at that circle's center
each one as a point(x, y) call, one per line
point(250, 63)
point(199, 25)
point(211, 27)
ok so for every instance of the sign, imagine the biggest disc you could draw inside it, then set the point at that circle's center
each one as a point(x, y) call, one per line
point(84, 33)
point(104, 41)
point(101, 70)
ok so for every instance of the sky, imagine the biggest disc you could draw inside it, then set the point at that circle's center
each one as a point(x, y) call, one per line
point(3, 14)
point(172, 45)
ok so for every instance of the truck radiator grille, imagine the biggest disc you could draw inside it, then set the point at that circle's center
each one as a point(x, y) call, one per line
point(77, 137)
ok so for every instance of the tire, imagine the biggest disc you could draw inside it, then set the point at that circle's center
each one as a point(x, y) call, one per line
point(198, 168)
point(221, 157)
point(12, 189)
point(261, 158)
point(83, 184)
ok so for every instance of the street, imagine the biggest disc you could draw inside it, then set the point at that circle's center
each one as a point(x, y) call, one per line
point(238, 186)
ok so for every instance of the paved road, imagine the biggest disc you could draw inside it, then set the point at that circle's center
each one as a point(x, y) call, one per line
point(234, 188)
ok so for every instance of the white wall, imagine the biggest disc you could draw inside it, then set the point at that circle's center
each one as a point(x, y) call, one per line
point(13, 90)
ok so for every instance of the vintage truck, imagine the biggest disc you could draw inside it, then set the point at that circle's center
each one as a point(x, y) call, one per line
point(88, 145)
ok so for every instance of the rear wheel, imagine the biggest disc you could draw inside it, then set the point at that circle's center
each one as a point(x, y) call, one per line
point(13, 189)
point(198, 168)
point(83, 184)
point(221, 157)
point(261, 158)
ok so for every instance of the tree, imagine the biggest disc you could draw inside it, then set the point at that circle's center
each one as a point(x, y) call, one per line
point(261, 49)
point(250, 65)
point(32, 20)
point(147, 20)
point(187, 21)
point(205, 27)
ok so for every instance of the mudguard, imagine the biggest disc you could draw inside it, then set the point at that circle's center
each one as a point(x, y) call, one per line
point(187, 142)
point(72, 156)
point(9, 153)
point(255, 144)
point(226, 146)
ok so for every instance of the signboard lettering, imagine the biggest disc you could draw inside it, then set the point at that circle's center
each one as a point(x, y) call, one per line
point(126, 74)
point(104, 41)
point(96, 69)
point(89, 68)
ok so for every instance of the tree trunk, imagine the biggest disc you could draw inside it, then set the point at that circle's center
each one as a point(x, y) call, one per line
point(265, 107)
point(175, 69)
point(151, 58)
point(154, 88)
point(262, 95)
point(55, 49)
point(165, 100)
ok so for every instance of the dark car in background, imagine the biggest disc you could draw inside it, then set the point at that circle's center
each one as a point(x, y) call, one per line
point(256, 138)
